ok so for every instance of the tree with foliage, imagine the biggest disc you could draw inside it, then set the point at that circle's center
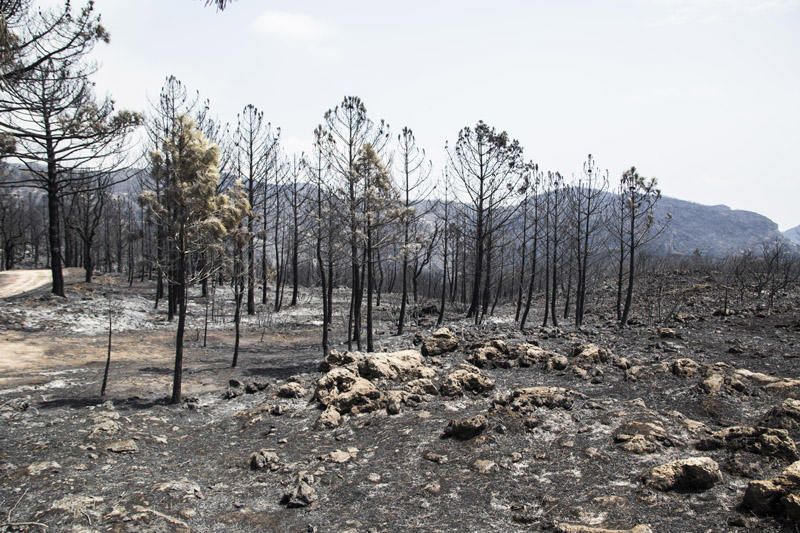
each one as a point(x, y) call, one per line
point(380, 208)
point(196, 217)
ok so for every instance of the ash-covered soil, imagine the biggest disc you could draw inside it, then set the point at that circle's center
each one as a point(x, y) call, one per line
point(491, 430)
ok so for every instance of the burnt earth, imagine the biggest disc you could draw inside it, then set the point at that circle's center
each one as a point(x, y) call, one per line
point(72, 461)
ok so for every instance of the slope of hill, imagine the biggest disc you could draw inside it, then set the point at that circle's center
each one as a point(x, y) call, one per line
point(713, 230)
point(793, 234)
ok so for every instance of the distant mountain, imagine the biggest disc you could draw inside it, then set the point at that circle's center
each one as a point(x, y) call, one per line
point(793, 234)
point(714, 230)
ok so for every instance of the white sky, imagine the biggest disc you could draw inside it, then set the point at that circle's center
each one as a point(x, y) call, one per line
point(702, 94)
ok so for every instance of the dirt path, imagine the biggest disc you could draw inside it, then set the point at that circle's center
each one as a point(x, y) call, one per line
point(16, 282)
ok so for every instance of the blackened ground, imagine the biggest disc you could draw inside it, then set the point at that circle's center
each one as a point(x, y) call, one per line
point(191, 464)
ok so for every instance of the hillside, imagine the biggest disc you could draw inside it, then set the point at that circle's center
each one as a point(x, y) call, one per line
point(793, 234)
point(714, 230)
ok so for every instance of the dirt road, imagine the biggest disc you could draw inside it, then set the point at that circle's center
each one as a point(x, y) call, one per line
point(15, 282)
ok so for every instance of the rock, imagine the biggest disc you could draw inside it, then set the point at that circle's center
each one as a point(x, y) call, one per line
point(374, 477)
point(639, 444)
point(785, 416)
point(433, 488)
point(685, 367)
point(713, 384)
point(104, 422)
point(347, 392)
point(525, 399)
point(341, 456)
point(301, 493)
point(191, 402)
point(590, 354)
point(484, 466)
point(235, 389)
point(622, 363)
point(347, 359)
point(422, 387)
point(434, 457)
point(76, 505)
point(791, 507)
point(641, 437)
point(330, 418)
point(580, 372)
point(557, 362)
point(492, 354)
point(528, 354)
point(264, 460)
point(442, 340)
point(394, 401)
point(466, 379)
point(122, 446)
point(291, 390)
point(402, 365)
point(465, 428)
point(767, 381)
point(694, 473)
point(777, 496)
point(256, 386)
point(760, 440)
point(45, 466)
point(181, 489)
point(563, 527)
point(763, 497)
point(668, 333)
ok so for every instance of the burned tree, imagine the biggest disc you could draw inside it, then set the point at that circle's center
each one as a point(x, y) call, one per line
point(589, 200)
point(635, 214)
point(415, 186)
point(249, 142)
point(487, 166)
point(349, 130)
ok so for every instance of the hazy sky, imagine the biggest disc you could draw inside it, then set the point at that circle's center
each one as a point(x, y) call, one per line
point(702, 94)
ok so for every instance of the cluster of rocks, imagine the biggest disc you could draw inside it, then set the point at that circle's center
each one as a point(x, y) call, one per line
point(357, 382)
point(466, 379)
point(465, 428)
point(722, 378)
point(498, 354)
point(642, 437)
point(237, 388)
point(778, 496)
point(713, 379)
point(586, 362)
point(441, 341)
point(758, 440)
point(526, 399)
